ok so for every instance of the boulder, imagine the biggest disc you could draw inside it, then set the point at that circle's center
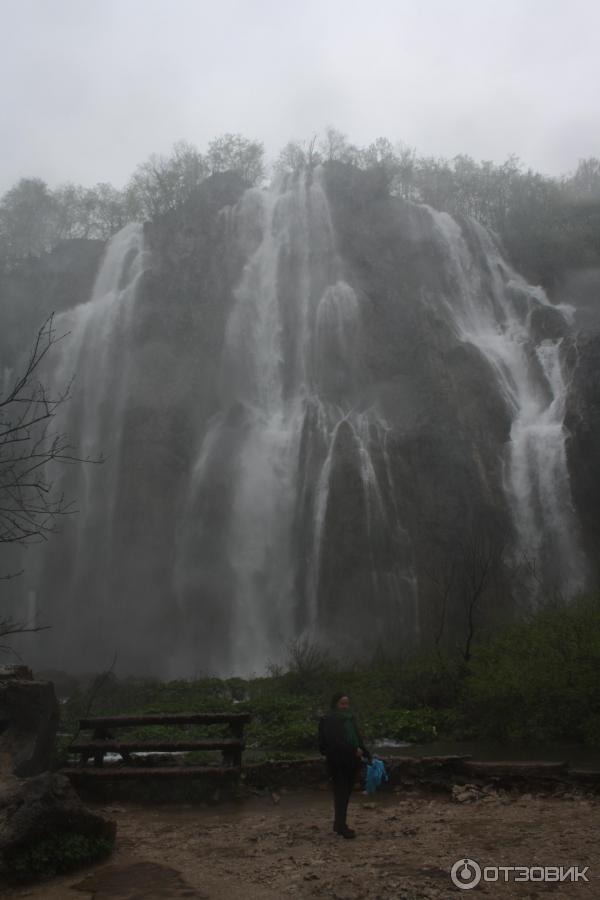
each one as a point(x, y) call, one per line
point(547, 323)
point(28, 722)
point(45, 829)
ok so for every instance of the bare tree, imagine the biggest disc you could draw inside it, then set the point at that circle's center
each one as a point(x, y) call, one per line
point(464, 578)
point(158, 186)
point(31, 505)
point(235, 153)
point(335, 146)
point(481, 559)
point(298, 156)
point(443, 579)
point(543, 588)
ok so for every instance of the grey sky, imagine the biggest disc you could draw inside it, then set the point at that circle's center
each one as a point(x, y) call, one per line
point(91, 87)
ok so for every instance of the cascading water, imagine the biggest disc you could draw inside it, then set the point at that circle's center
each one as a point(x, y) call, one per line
point(96, 349)
point(95, 339)
point(289, 365)
point(491, 308)
point(304, 403)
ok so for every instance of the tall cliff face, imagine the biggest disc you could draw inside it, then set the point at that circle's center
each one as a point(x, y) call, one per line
point(325, 411)
point(582, 421)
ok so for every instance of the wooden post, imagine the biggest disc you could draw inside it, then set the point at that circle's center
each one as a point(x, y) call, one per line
point(237, 731)
point(100, 734)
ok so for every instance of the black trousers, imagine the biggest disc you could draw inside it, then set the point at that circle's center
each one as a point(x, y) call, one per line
point(343, 778)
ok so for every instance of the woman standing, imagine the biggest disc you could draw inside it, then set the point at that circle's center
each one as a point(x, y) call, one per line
point(343, 746)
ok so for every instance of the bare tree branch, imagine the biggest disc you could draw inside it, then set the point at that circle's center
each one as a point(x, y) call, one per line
point(481, 556)
point(31, 507)
point(95, 688)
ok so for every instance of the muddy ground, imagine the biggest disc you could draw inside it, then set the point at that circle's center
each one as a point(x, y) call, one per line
point(282, 846)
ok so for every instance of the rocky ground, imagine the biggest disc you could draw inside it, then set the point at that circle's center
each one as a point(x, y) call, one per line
point(276, 846)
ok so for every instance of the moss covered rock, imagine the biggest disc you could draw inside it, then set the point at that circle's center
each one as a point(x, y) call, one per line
point(45, 829)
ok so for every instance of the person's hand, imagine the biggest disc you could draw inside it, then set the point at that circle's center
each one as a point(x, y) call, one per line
point(359, 752)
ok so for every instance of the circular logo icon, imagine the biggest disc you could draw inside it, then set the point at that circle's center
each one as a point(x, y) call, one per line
point(465, 874)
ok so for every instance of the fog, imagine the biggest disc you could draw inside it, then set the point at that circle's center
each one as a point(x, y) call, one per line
point(91, 89)
point(299, 389)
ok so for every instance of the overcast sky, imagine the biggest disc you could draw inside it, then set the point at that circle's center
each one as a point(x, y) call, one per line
point(90, 88)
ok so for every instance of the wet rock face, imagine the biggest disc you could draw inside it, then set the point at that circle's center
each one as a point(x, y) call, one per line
point(29, 718)
point(548, 324)
point(582, 420)
point(42, 809)
point(448, 424)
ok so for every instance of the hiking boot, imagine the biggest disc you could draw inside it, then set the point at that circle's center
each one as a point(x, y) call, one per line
point(344, 831)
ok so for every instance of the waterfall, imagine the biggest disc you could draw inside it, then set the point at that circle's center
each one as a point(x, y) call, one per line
point(95, 339)
point(290, 361)
point(490, 306)
point(304, 400)
point(96, 343)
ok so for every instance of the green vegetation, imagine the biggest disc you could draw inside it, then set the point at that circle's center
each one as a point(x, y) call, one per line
point(56, 854)
point(535, 680)
point(539, 680)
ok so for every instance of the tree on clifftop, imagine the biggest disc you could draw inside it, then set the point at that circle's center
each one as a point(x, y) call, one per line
point(26, 220)
point(163, 183)
point(235, 153)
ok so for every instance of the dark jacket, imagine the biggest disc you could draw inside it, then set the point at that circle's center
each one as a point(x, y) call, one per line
point(334, 745)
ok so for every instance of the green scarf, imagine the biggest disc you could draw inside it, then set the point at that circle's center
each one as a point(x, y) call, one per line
point(349, 729)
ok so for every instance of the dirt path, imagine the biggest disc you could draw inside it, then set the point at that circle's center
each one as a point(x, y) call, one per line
point(258, 849)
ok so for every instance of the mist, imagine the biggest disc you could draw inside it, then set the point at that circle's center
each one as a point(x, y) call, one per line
point(91, 90)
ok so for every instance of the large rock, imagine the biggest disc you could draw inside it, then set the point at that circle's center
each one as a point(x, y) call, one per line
point(45, 829)
point(28, 722)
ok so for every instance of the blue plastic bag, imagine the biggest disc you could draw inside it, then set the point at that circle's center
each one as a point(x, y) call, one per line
point(376, 773)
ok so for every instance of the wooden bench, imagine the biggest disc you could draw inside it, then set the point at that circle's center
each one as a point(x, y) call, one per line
point(104, 741)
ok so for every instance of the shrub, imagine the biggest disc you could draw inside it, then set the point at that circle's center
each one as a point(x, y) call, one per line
point(538, 680)
point(56, 854)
